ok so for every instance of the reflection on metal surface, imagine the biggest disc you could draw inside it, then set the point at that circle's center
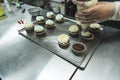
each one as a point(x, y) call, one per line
point(21, 59)
point(50, 72)
point(9, 36)
point(105, 64)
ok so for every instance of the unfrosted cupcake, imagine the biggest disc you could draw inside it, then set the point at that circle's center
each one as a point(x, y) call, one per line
point(87, 35)
point(40, 20)
point(59, 18)
point(73, 30)
point(39, 30)
point(50, 24)
point(63, 40)
point(50, 15)
point(78, 48)
point(95, 27)
point(29, 27)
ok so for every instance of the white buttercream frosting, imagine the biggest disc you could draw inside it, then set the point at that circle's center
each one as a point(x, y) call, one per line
point(87, 4)
point(28, 25)
point(39, 18)
point(95, 25)
point(84, 26)
point(50, 14)
point(73, 28)
point(59, 17)
point(63, 38)
point(78, 22)
point(49, 22)
point(85, 33)
point(39, 28)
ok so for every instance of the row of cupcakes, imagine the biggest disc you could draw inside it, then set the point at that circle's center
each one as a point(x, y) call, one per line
point(63, 39)
point(78, 48)
point(58, 17)
point(38, 29)
point(73, 29)
point(41, 19)
point(93, 28)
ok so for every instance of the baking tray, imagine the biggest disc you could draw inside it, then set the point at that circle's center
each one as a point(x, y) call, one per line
point(50, 43)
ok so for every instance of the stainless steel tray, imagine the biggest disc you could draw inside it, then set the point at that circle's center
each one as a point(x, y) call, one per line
point(50, 43)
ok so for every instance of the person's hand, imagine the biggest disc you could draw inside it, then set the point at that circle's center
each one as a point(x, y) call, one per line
point(97, 13)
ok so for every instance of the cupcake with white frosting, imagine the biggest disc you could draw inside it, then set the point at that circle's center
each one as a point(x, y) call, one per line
point(95, 27)
point(29, 27)
point(59, 18)
point(40, 20)
point(87, 35)
point(78, 22)
point(39, 30)
point(73, 30)
point(50, 24)
point(63, 40)
point(50, 15)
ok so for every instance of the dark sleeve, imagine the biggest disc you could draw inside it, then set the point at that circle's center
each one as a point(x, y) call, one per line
point(114, 24)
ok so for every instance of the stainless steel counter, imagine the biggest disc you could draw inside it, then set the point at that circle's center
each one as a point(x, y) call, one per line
point(105, 64)
point(21, 59)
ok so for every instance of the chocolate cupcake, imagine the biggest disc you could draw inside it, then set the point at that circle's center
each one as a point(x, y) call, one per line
point(87, 35)
point(50, 24)
point(59, 18)
point(50, 15)
point(78, 48)
point(63, 40)
point(40, 20)
point(73, 30)
point(39, 30)
point(95, 27)
point(29, 27)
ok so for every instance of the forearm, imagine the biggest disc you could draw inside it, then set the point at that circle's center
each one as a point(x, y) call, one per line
point(116, 15)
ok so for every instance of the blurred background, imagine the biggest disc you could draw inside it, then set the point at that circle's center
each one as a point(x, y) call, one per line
point(65, 7)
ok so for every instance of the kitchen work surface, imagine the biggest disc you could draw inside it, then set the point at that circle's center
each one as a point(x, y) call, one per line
point(105, 63)
point(21, 59)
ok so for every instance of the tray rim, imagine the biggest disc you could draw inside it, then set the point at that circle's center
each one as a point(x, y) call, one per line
point(84, 62)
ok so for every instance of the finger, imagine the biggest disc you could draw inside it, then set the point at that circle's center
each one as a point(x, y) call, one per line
point(86, 17)
point(80, 17)
point(83, 16)
point(88, 22)
point(88, 11)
